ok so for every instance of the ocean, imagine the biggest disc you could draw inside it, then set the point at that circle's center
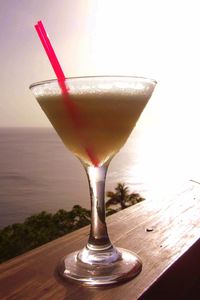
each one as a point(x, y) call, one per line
point(38, 173)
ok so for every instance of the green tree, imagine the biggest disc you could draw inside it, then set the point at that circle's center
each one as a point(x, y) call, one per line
point(43, 227)
point(121, 198)
point(39, 229)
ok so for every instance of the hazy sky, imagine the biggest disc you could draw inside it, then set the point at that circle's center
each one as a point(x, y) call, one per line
point(158, 39)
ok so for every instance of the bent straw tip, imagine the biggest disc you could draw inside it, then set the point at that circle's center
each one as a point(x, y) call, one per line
point(39, 21)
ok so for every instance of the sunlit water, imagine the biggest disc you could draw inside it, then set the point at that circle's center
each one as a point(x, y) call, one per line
point(38, 173)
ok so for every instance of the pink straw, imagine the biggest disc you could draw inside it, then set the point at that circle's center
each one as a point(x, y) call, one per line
point(61, 80)
point(50, 51)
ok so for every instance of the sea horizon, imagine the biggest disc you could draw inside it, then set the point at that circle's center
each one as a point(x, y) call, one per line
point(38, 173)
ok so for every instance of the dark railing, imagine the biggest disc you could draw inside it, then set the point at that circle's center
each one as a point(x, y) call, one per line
point(164, 233)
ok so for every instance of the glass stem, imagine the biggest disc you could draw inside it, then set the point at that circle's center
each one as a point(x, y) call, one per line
point(98, 238)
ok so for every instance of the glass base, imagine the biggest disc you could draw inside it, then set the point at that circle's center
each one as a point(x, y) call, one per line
point(100, 272)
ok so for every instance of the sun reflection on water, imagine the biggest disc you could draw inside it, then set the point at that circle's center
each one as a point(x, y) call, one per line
point(162, 157)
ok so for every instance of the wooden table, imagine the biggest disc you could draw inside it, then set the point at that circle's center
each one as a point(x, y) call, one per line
point(165, 234)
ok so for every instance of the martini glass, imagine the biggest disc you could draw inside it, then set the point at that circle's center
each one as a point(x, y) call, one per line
point(94, 119)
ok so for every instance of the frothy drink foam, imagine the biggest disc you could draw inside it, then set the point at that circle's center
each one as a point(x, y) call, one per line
point(108, 117)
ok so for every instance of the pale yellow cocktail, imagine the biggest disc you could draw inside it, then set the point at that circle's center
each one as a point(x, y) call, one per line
point(107, 117)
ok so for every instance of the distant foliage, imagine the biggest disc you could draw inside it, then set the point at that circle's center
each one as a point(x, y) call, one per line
point(39, 229)
point(44, 227)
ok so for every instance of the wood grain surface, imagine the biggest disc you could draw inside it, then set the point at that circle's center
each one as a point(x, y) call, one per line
point(164, 233)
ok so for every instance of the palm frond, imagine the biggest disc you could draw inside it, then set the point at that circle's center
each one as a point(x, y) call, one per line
point(122, 197)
